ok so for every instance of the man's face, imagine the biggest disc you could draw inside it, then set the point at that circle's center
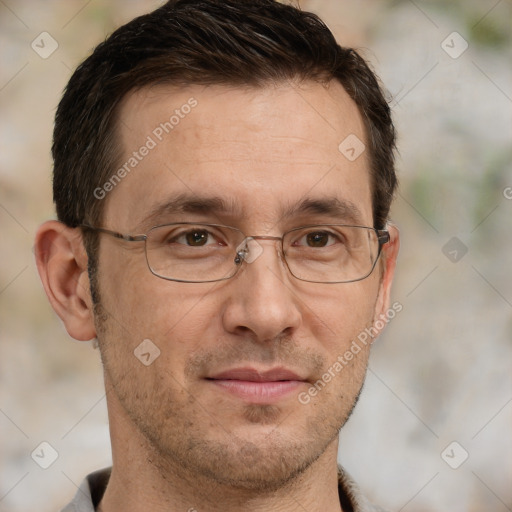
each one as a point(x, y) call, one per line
point(262, 152)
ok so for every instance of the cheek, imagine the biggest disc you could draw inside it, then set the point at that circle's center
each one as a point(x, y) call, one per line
point(177, 318)
point(338, 315)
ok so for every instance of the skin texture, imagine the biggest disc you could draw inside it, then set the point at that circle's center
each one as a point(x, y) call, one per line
point(179, 440)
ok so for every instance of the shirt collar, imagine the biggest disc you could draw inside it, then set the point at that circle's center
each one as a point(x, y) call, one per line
point(93, 487)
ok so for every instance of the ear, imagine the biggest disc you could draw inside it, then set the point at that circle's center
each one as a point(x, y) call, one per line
point(388, 263)
point(62, 265)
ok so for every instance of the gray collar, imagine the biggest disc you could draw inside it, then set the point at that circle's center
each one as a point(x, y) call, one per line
point(92, 488)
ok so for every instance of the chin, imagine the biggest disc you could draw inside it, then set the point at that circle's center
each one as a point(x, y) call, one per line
point(259, 469)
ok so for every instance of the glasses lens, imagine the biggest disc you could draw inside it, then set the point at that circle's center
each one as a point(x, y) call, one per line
point(193, 252)
point(331, 254)
point(208, 252)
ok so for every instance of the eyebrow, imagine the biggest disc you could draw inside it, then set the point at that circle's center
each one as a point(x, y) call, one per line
point(193, 204)
point(341, 209)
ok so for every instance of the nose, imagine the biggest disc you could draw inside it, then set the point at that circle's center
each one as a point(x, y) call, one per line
point(262, 301)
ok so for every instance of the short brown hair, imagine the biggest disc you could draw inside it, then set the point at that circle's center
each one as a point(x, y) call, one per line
point(184, 42)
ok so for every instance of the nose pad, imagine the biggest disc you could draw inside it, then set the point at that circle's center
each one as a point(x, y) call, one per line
point(249, 250)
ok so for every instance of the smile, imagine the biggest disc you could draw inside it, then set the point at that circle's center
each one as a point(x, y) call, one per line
point(257, 387)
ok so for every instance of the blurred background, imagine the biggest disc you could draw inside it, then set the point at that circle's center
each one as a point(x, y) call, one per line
point(432, 431)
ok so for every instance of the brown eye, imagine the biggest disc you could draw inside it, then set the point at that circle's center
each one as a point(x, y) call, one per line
point(196, 238)
point(317, 239)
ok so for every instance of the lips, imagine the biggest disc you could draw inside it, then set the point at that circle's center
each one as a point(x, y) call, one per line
point(252, 375)
point(262, 387)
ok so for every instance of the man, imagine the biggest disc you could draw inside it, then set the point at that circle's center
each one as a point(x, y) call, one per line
point(223, 176)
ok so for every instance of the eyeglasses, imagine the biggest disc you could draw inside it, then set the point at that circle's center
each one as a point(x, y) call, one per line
point(203, 253)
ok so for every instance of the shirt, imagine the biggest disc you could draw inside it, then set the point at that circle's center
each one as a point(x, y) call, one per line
point(92, 488)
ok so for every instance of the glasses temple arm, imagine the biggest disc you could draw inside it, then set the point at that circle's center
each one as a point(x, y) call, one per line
point(126, 238)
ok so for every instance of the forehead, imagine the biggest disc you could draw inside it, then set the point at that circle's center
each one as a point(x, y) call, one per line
point(259, 152)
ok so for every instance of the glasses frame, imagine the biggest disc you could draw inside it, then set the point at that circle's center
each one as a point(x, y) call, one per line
point(383, 237)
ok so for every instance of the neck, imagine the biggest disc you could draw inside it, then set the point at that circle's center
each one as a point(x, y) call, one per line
point(140, 480)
